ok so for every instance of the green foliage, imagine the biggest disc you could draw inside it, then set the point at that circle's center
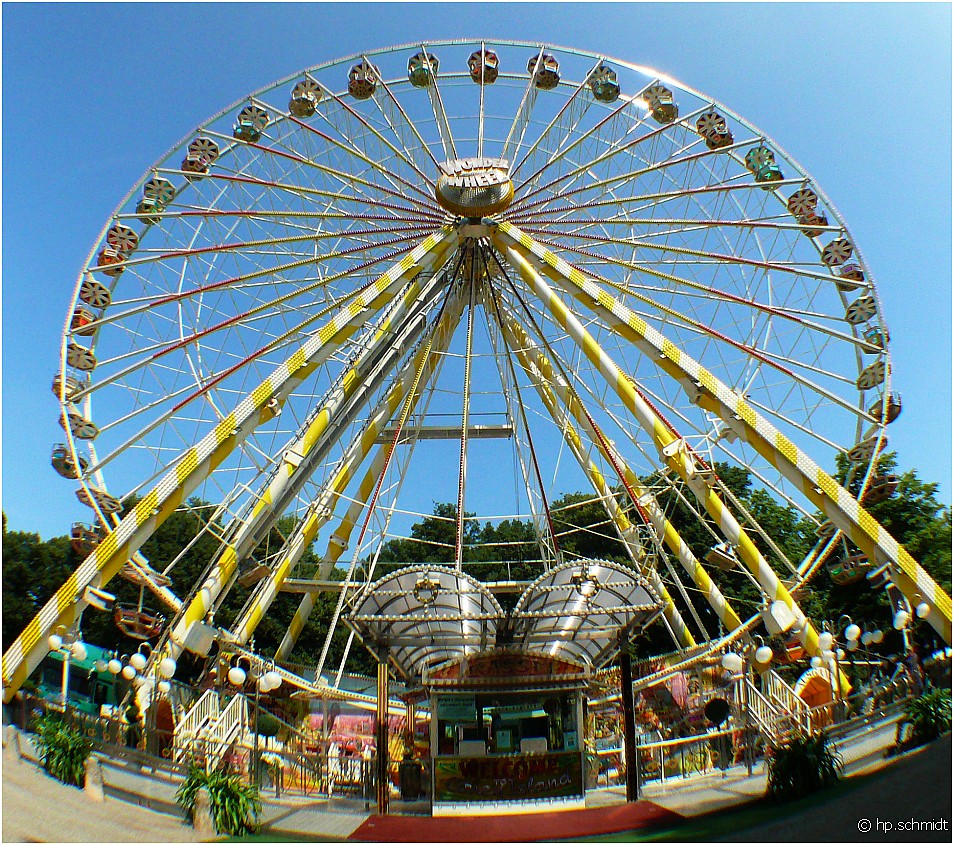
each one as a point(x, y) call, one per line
point(803, 764)
point(63, 749)
point(929, 715)
point(268, 725)
point(234, 804)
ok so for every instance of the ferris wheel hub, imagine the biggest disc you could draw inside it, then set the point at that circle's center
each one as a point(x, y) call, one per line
point(474, 187)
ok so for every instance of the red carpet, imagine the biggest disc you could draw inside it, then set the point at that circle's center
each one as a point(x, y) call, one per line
point(528, 827)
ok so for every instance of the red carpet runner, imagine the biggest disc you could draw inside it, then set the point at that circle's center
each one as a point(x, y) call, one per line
point(527, 827)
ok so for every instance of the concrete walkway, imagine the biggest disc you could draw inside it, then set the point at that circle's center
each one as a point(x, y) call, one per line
point(37, 808)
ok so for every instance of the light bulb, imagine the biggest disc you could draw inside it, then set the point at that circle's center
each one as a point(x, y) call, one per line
point(274, 679)
point(923, 610)
point(263, 684)
point(129, 673)
point(853, 645)
point(138, 661)
point(164, 687)
point(841, 654)
point(866, 638)
point(55, 641)
point(852, 632)
point(763, 654)
point(877, 636)
point(901, 619)
point(114, 666)
point(237, 676)
point(167, 667)
point(732, 661)
point(825, 640)
point(816, 662)
point(78, 650)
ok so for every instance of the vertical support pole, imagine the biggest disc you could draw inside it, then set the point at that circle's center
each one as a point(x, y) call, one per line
point(381, 733)
point(410, 716)
point(629, 721)
point(747, 734)
point(65, 684)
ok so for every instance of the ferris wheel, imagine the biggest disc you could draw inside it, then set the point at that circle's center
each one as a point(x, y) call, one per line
point(318, 308)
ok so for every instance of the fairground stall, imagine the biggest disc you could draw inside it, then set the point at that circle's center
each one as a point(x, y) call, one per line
point(505, 689)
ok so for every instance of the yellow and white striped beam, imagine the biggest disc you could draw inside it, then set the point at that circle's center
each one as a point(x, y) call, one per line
point(627, 533)
point(337, 546)
point(424, 362)
point(540, 370)
point(29, 648)
point(671, 448)
point(819, 488)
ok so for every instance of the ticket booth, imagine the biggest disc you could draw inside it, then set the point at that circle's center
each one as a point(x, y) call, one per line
point(499, 747)
point(504, 688)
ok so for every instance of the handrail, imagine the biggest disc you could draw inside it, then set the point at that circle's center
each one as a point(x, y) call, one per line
point(205, 710)
point(224, 730)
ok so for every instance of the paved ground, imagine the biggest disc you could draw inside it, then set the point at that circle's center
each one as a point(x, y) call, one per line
point(37, 808)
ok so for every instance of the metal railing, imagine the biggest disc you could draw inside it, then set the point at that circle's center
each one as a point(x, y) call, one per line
point(225, 730)
point(203, 712)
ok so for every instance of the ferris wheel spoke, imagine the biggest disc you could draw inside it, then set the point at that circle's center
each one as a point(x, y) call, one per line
point(270, 272)
point(399, 124)
point(629, 148)
point(252, 246)
point(720, 258)
point(705, 292)
point(304, 191)
point(390, 177)
point(783, 364)
point(568, 116)
point(564, 149)
point(650, 200)
point(348, 135)
point(522, 205)
point(437, 108)
point(346, 179)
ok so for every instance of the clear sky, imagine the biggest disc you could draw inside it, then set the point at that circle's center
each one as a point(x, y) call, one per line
point(859, 94)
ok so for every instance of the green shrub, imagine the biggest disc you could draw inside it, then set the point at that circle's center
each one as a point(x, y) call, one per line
point(63, 749)
point(929, 715)
point(268, 725)
point(235, 805)
point(803, 764)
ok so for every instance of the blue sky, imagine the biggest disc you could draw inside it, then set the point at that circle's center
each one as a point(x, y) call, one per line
point(859, 94)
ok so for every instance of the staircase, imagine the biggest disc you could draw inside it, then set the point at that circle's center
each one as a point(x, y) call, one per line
point(775, 709)
point(794, 709)
point(206, 732)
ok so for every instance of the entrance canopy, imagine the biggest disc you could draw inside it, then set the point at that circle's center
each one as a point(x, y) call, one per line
point(580, 609)
point(425, 616)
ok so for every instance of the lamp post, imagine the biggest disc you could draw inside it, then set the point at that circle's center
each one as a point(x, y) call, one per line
point(265, 678)
point(70, 646)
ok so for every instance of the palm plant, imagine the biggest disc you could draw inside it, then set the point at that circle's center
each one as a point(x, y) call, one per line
point(63, 749)
point(235, 805)
point(929, 715)
point(803, 764)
